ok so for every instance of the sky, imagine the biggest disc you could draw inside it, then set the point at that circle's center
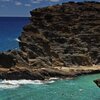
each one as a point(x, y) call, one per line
point(21, 8)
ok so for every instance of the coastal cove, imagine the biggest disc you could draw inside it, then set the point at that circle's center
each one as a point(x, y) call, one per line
point(59, 41)
point(53, 55)
point(79, 88)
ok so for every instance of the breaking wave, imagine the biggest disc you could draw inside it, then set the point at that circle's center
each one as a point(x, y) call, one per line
point(7, 84)
point(17, 40)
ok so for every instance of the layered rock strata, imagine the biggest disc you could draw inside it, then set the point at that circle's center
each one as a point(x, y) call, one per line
point(57, 36)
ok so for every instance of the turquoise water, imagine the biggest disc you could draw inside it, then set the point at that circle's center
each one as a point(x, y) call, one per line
point(80, 88)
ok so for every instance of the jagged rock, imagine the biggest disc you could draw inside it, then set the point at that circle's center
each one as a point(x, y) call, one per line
point(7, 60)
point(25, 73)
point(61, 35)
point(60, 30)
point(97, 82)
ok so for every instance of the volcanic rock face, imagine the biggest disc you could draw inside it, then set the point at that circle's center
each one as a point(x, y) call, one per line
point(63, 35)
point(7, 60)
point(60, 35)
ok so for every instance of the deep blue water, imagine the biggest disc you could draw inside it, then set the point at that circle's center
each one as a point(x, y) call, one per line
point(10, 29)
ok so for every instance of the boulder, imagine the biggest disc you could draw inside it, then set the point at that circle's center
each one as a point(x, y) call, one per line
point(97, 82)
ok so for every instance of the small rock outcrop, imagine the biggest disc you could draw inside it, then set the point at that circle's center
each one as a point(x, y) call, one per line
point(97, 82)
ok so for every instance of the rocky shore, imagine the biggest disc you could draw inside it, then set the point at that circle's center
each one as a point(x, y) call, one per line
point(60, 41)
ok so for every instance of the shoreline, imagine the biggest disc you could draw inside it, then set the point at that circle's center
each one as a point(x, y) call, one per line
point(18, 73)
point(55, 40)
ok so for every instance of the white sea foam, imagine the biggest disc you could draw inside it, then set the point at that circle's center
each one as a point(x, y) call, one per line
point(17, 40)
point(6, 84)
point(21, 82)
point(52, 81)
point(53, 78)
point(80, 90)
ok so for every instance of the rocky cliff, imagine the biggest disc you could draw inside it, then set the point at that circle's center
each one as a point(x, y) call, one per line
point(61, 35)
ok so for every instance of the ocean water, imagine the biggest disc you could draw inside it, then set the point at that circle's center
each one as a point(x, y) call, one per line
point(80, 88)
point(10, 29)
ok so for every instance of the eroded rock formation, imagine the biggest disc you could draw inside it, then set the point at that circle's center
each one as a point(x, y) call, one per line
point(60, 35)
point(63, 35)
